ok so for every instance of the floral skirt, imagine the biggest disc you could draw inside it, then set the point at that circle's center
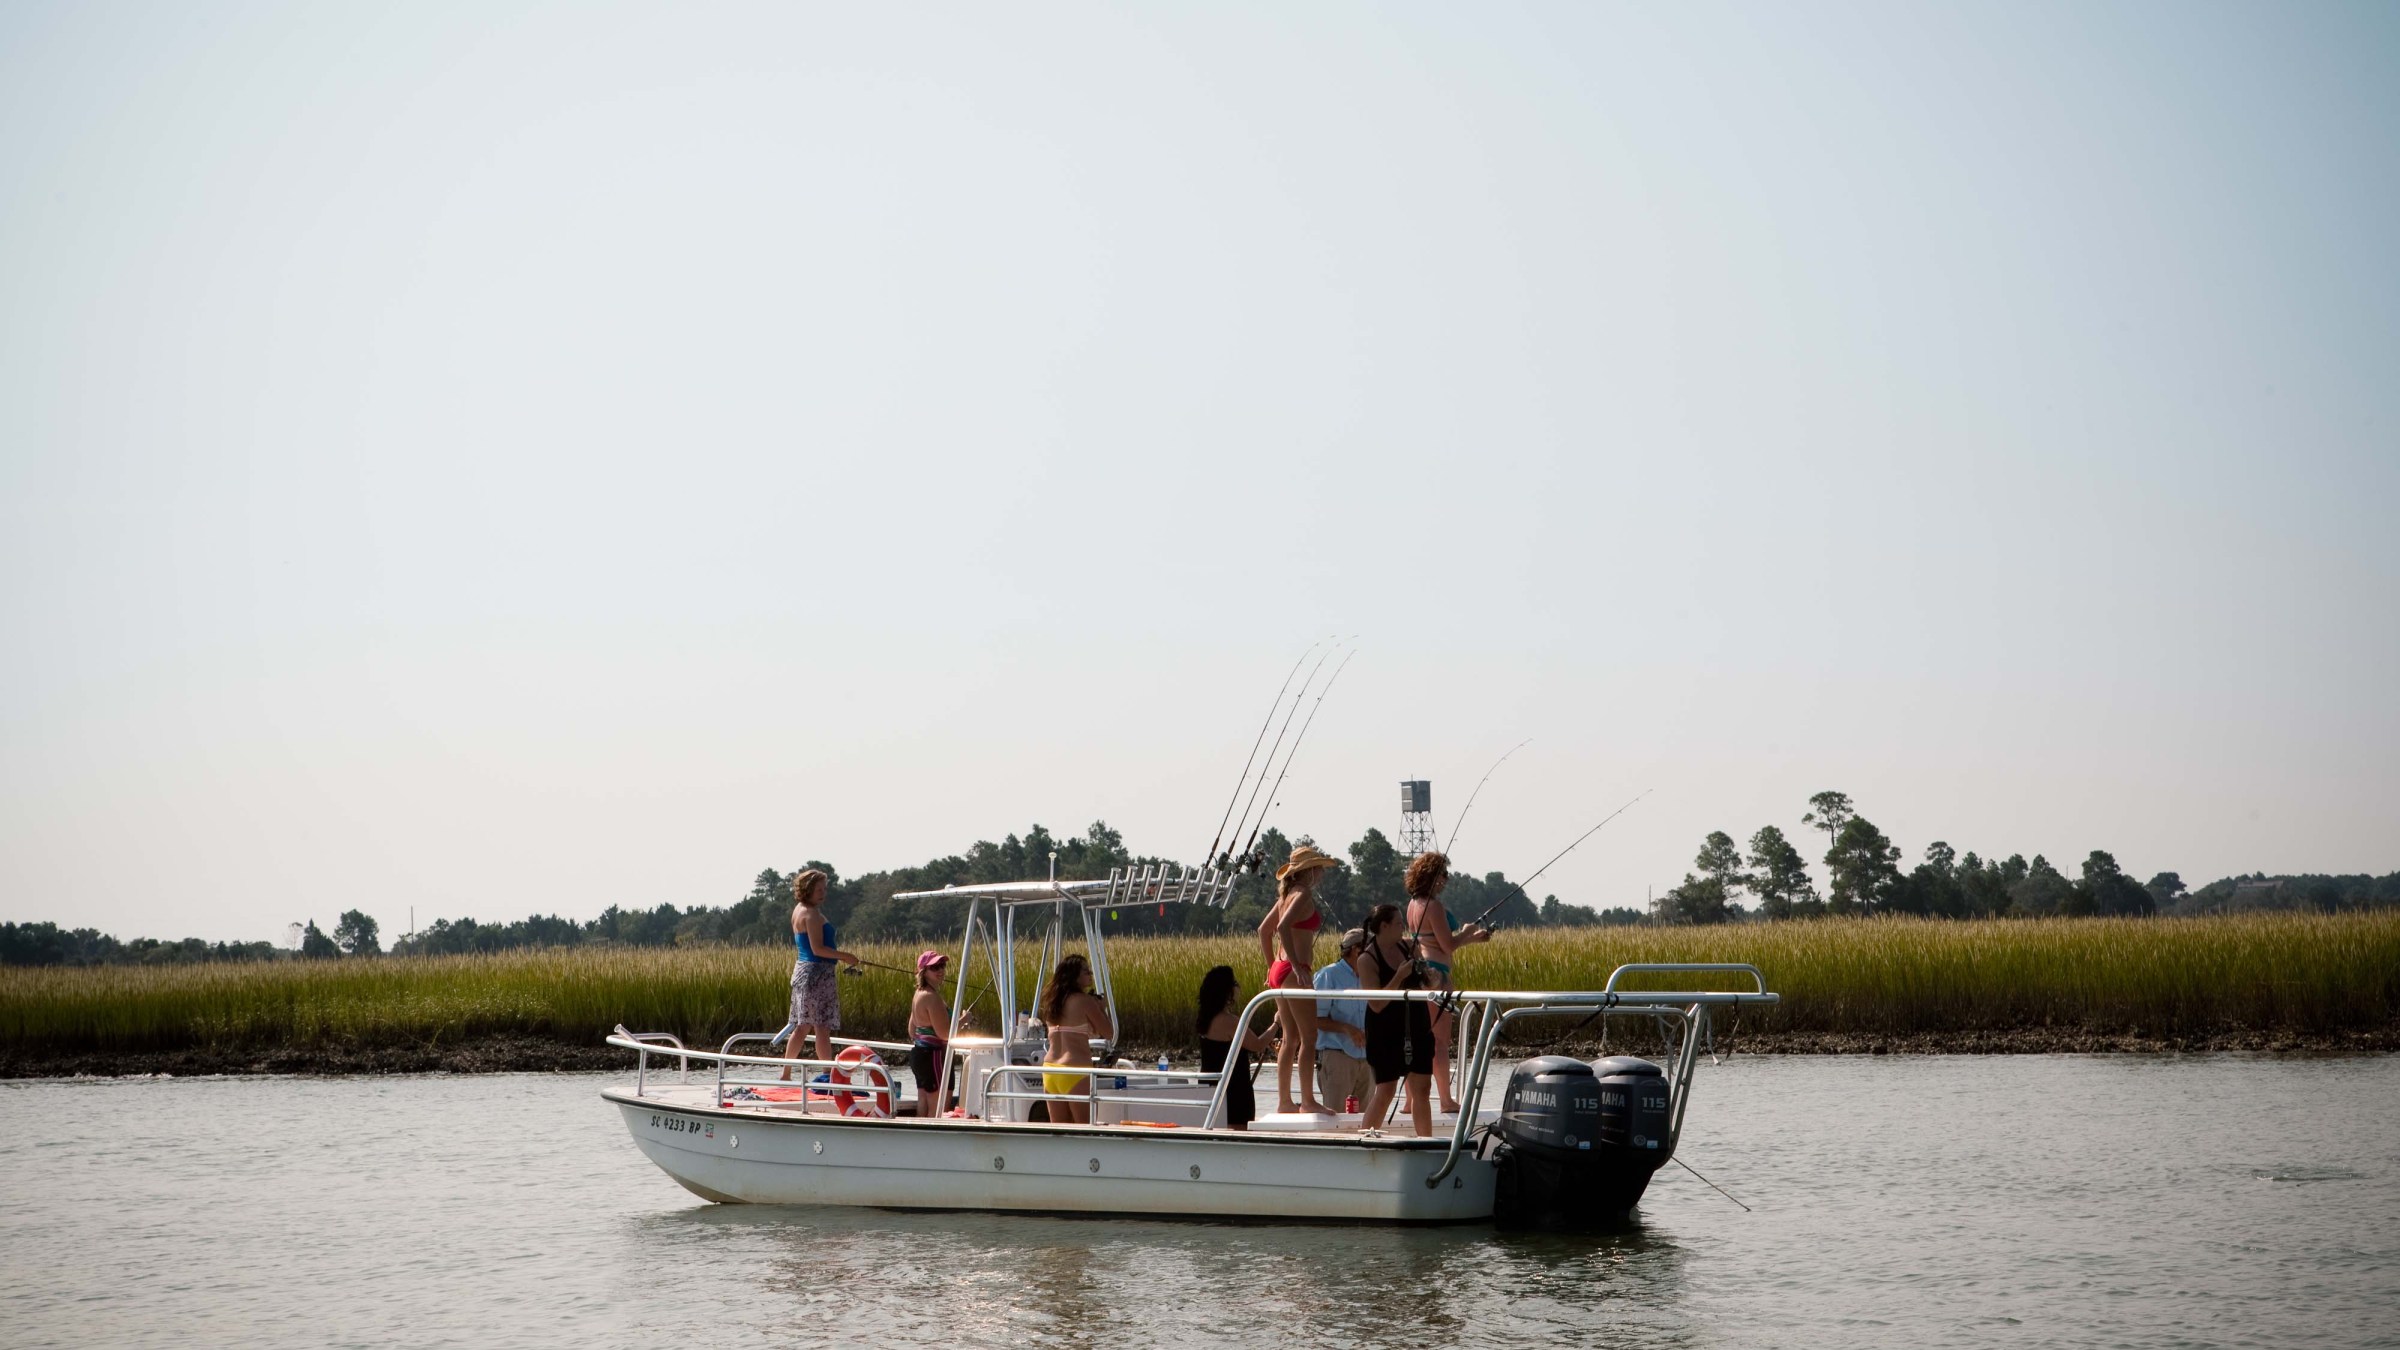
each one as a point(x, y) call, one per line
point(815, 1001)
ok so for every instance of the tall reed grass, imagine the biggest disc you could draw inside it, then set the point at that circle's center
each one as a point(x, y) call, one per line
point(2162, 977)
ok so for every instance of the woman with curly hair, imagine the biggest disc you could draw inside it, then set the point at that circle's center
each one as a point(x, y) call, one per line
point(1438, 938)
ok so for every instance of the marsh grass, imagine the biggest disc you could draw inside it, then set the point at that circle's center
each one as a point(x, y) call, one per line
point(2157, 977)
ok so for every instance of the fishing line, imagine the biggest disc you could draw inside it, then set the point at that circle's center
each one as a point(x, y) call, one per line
point(1278, 745)
point(1287, 759)
point(1461, 822)
point(1518, 888)
point(1261, 740)
point(1710, 1184)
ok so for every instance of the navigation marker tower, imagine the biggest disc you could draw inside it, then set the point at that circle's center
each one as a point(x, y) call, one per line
point(1416, 817)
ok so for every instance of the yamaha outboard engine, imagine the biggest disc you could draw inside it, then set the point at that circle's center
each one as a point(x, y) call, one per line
point(1576, 1142)
point(1633, 1107)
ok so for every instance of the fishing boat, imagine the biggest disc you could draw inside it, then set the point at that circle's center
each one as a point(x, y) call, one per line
point(1569, 1144)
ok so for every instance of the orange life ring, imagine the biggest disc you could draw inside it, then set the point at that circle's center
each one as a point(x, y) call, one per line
point(866, 1071)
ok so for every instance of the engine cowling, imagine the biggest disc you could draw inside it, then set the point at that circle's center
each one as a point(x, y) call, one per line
point(1633, 1104)
point(1576, 1143)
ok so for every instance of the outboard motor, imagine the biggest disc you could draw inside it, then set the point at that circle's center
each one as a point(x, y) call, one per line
point(1576, 1143)
point(1633, 1105)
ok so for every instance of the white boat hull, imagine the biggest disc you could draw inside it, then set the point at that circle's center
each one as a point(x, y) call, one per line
point(750, 1156)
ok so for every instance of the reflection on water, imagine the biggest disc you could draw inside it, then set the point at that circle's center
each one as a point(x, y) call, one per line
point(1005, 1279)
point(1903, 1202)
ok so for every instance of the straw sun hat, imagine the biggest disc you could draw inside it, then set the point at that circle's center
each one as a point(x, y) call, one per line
point(1305, 858)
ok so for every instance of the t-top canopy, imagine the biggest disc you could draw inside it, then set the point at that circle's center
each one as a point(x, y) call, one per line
point(1156, 884)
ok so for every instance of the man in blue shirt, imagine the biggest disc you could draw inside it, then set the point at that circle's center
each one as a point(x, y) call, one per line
point(1342, 1072)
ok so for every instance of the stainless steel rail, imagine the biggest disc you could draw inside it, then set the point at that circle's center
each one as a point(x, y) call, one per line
point(641, 1076)
point(1681, 968)
point(1608, 1001)
point(1095, 1071)
point(630, 1041)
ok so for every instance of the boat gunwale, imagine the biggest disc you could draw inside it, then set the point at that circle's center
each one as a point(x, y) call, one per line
point(1328, 1139)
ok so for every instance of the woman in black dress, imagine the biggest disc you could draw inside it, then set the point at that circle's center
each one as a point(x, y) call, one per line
point(1399, 1031)
point(1219, 1028)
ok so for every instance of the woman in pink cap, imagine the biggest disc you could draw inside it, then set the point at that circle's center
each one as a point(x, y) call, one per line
point(929, 1035)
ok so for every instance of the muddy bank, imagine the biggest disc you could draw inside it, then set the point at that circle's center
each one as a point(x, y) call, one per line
point(532, 1054)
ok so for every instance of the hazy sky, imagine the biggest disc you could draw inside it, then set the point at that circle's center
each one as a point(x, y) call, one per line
point(497, 458)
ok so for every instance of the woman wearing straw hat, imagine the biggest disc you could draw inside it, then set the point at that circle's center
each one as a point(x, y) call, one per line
point(1293, 923)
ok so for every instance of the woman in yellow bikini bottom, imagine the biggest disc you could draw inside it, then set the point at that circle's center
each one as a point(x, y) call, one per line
point(1076, 1016)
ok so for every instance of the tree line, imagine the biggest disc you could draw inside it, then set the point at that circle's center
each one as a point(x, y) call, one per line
point(1863, 876)
point(868, 907)
point(864, 907)
point(47, 944)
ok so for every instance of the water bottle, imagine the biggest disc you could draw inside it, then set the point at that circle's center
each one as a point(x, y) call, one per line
point(1162, 1065)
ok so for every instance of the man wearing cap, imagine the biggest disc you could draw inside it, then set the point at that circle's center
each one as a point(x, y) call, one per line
point(1342, 1031)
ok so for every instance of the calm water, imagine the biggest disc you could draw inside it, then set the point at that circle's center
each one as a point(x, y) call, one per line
point(1970, 1201)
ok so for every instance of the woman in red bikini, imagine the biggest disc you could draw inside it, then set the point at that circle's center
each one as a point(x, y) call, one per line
point(1293, 923)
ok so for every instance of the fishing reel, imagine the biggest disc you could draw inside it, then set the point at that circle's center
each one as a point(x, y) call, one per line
point(1245, 863)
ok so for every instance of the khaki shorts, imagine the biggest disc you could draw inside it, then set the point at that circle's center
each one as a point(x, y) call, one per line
point(1340, 1076)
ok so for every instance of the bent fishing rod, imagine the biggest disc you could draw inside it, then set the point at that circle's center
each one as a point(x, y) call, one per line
point(1255, 860)
point(1262, 740)
point(1461, 822)
point(1280, 733)
point(1518, 888)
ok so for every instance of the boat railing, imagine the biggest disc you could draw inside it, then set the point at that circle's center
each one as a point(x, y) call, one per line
point(1115, 1097)
point(1758, 980)
point(777, 1038)
point(1496, 1008)
point(837, 1071)
point(641, 1041)
point(1485, 1012)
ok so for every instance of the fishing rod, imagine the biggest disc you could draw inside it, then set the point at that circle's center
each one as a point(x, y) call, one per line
point(1518, 888)
point(1287, 759)
point(1262, 739)
point(1278, 745)
point(1461, 822)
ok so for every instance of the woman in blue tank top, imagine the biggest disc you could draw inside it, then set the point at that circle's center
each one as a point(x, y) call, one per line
point(816, 1000)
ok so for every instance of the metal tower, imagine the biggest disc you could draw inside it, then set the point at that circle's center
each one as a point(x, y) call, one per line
point(1416, 817)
